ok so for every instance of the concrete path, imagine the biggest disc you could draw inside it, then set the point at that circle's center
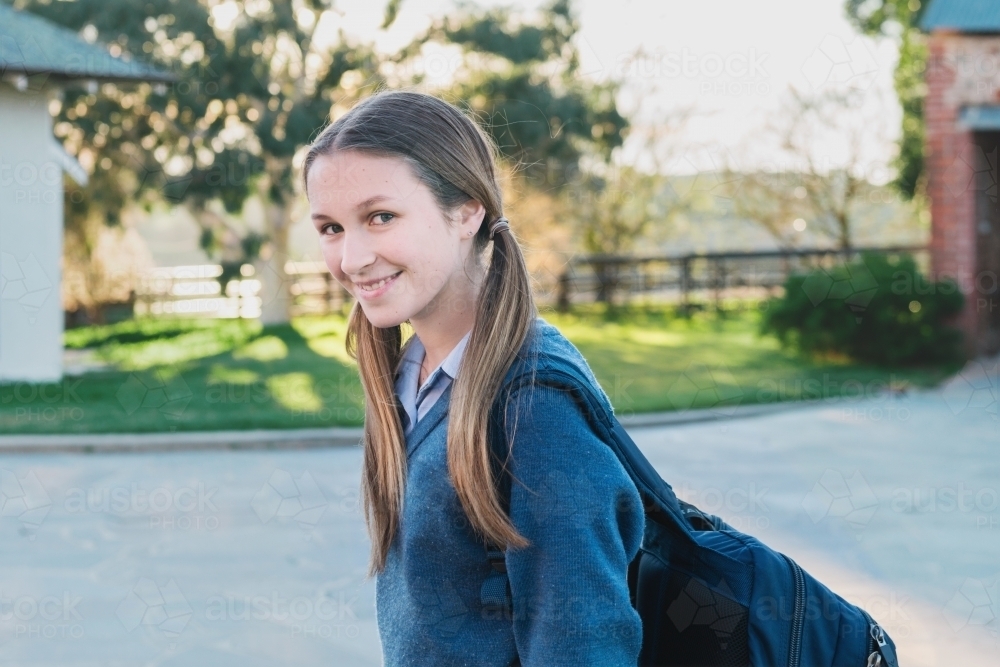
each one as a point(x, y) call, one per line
point(302, 438)
point(257, 557)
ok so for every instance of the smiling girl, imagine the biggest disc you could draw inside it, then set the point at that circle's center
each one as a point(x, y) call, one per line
point(403, 190)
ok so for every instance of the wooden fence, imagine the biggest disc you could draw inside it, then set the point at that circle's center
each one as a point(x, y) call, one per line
point(197, 291)
point(698, 276)
point(684, 279)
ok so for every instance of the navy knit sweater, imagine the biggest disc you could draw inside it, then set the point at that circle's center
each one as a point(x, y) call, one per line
point(570, 497)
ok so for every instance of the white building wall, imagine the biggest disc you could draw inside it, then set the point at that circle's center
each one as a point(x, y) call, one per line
point(31, 219)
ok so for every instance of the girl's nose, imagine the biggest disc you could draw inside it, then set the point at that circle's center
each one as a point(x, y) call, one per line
point(357, 253)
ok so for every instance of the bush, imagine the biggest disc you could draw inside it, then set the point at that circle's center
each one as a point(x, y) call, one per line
point(877, 309)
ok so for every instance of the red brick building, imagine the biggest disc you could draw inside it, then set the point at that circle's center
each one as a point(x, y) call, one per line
point(962, 113)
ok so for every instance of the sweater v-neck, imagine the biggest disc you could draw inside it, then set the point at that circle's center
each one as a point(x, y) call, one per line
point(424, 427)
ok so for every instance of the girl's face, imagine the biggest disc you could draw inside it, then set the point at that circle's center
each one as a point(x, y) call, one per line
point(385, 240)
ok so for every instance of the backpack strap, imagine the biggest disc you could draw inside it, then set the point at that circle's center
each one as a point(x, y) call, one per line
point(659, 501)
point(495, 595)
point(658, 498)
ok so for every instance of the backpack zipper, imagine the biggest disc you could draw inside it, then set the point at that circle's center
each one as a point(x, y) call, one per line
point(798, 616)
point(880, 654)
point(874, 659)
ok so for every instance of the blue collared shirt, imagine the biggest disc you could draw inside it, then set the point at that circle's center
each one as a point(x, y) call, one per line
point(418, 401)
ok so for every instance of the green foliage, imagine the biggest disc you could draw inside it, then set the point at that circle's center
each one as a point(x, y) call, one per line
point(391, 11)
point(255, 83)
point(901, 18)
point(522, 81)
point(911, 89)
point(244, 101)
point(877, 309)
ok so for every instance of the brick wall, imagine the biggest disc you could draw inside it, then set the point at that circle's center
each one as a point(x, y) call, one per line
point(950, 167)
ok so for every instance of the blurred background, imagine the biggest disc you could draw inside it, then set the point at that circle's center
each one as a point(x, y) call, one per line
point(772, 229)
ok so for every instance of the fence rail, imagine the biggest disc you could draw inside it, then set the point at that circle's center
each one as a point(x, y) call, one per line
point(198, 290)
point(681, 278)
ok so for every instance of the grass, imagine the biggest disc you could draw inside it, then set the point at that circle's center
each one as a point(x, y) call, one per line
point(184, 375)
point(649, 360)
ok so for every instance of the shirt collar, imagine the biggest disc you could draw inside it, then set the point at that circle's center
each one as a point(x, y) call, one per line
point(454, 359)
point(415, 351)
point(408, 374)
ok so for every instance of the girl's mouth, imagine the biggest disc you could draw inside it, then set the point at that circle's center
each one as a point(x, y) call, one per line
point(379, 288)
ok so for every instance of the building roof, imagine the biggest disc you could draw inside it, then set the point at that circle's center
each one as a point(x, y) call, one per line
point(31, 45)
point(981, 16)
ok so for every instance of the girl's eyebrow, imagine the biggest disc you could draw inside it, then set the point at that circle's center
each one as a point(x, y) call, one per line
point(371, 201)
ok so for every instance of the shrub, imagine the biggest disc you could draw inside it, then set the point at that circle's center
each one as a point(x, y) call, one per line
point(877, 309)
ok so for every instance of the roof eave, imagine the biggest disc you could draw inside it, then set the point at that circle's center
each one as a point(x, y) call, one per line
point(949, 30)
point(64, 77)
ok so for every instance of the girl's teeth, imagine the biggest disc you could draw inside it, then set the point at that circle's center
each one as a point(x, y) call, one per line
point(378, 284)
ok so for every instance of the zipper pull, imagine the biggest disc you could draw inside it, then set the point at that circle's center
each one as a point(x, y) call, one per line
point(884, 647)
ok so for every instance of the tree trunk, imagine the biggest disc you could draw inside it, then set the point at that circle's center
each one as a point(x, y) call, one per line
point(275, 284)
point(276, 297)
point(844, 223)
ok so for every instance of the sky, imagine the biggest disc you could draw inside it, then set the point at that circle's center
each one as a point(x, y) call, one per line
point(727, 62)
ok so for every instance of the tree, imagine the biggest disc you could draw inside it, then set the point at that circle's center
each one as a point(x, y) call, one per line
point(102, 265)
point(614, 212)
point(255, 84)
point(900, 19)
point(773, 200)
point(619, 205)
point(622, 206)
point(522, 79)
point(257, 81)
point(809, 188)
point(556, 130)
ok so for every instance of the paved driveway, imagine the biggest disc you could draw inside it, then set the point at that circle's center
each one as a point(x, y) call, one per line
point(258, 558)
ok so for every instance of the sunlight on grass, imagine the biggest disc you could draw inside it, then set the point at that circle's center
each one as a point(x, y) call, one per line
point(190, 346)
point(580, 331)
point(326, 336)
point(317, 327)
point(654, 337)
point(265, 348)
point(220, 373)
point(331, 347)
point(133, 331)
point(295, 391)
point(194, 374)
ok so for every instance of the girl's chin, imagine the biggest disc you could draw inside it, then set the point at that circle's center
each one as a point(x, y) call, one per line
point(383, 318)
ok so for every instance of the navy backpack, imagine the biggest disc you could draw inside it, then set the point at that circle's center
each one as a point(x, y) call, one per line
point(707, 593)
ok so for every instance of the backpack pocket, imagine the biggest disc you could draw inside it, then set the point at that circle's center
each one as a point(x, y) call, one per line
point(693, 601)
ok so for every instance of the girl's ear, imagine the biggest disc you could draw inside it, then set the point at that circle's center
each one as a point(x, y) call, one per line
point(470, 217)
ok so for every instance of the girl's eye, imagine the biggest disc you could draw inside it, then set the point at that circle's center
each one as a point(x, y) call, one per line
point(330, 228)
point(384, 222)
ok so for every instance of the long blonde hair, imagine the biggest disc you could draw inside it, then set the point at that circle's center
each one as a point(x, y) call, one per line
point(458, 162)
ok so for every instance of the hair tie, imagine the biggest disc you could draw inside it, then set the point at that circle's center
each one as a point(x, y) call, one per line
point(498, 225)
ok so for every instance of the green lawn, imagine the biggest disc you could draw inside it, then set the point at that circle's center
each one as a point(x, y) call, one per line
point(226, 374)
